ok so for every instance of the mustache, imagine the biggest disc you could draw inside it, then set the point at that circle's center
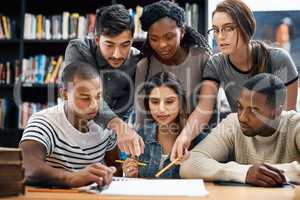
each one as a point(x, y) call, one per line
point(117, 59)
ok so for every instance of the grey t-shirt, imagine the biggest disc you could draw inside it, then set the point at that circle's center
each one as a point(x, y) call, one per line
point(189, 72)
point(118, 83)
point(220, 69)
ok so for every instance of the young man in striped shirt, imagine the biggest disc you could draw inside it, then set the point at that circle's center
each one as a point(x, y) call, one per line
point(62, 145)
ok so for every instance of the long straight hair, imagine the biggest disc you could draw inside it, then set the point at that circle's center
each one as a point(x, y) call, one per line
point(169, 80)
point(244, 18)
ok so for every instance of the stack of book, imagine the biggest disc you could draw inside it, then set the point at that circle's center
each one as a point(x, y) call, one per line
point(11, 172)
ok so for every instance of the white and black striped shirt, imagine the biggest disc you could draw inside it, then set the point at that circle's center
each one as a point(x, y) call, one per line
point(67, 147)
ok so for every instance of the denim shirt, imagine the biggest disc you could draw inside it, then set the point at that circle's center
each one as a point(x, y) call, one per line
point(153, 153)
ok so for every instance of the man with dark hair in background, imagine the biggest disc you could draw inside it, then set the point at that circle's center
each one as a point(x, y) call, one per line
point(258, 145)
point(111, 52)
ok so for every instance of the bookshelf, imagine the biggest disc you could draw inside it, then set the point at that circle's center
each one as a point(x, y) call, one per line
point(18, 47)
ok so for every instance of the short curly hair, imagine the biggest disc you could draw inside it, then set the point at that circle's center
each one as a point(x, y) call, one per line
point(158, 10)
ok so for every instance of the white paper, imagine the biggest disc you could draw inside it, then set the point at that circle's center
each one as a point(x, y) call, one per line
point(157, 187)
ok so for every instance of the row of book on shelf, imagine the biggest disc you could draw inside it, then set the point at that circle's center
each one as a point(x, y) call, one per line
point(69, 25)
point(63, 26)
point(7, 27)
point(73, 25)
point(26, 109)
point(40, 69)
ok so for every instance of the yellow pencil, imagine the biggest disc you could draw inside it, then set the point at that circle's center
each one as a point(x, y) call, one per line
point(139, 163)
point(166, 167)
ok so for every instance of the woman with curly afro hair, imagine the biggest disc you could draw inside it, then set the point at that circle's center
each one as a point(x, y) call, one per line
point(171, 46)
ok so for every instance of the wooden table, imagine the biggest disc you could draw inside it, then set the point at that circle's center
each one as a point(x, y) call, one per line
point(215, 193)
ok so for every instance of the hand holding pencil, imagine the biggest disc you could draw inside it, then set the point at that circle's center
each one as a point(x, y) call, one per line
point(160, 172)
point(176, 161)
point(131, 168)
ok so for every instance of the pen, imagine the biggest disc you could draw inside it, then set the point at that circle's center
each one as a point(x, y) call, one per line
point(139, 163)
point(166, 168)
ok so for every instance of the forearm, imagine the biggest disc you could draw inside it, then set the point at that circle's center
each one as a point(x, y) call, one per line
point(291, 170)
point(128, 140)
point(204, 110)
point(117, 125)
point(211, 170)
point(207, 159)
point(42, 173)
point(197, 121)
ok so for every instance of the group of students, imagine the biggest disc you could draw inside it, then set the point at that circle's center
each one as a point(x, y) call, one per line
point(169, 90)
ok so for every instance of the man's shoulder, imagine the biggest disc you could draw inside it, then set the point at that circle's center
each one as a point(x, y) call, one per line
point(81, 50)
point(290, 118)
point(87, 42)
point(83, 46)
point(231, 118)
point(48, 113)
point(229, 125)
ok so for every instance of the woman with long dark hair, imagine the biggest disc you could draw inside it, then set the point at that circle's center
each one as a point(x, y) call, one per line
point(166, 109)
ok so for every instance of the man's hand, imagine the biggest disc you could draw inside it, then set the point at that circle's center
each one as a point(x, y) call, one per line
point(265, 176)
point(128, 140)
point(94, 173)
point(181, 146)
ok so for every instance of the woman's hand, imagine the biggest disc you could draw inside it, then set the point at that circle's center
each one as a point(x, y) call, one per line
point(130, 168)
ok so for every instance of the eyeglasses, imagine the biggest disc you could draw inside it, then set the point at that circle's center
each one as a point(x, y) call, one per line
point(226, 31)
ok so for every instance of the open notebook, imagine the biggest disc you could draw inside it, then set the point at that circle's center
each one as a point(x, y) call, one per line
point(152, 187)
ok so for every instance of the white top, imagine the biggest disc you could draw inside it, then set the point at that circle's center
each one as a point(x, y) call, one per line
point(163, 159)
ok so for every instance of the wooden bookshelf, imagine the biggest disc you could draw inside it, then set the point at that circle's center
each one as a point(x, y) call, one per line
point(19, 47)
point(10, 137)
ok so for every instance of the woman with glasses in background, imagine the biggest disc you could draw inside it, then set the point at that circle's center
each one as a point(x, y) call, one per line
point(240, 57)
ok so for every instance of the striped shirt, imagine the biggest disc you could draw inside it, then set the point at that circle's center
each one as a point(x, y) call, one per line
point(67, 147)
